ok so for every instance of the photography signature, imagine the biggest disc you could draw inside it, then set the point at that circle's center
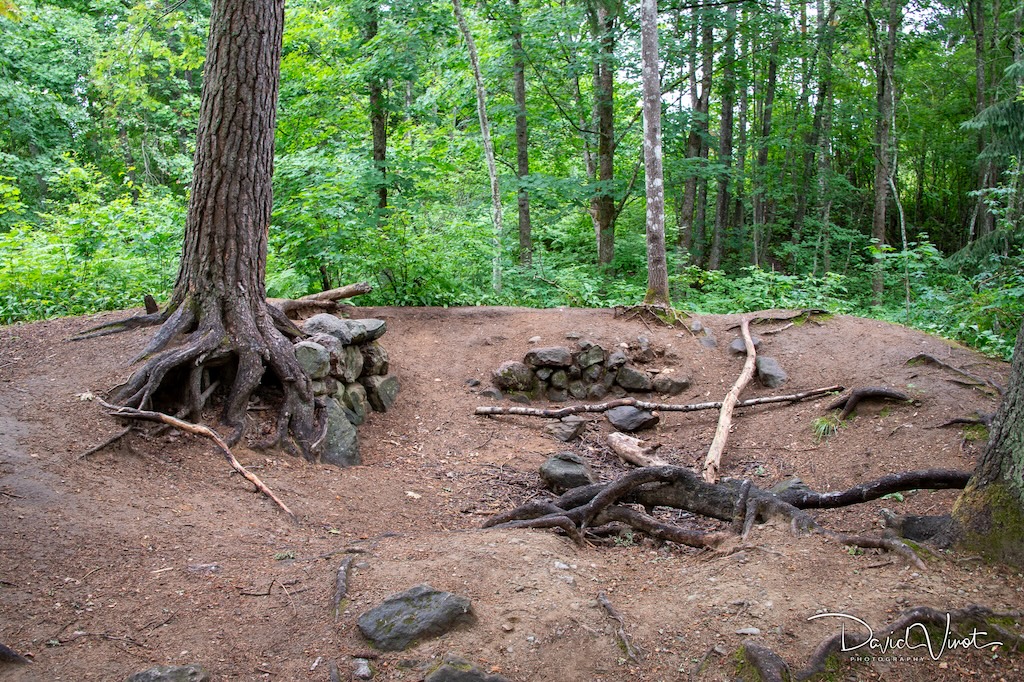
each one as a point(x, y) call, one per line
point(864, 636)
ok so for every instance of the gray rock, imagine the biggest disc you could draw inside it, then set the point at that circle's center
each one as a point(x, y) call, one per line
point(627, 418)
point(356, 404)
point(314, 359)
point(375, 358)
point(737, 347)
point(695, 326)
point(559, 379)
point(769, 372)
point(572, 336)
point(520, 398)
point(455, 669)
point(592, 355)
point(566, 428)
point(353, 364)
point(594, 373)
point(492, 393)
point(596, 392)
point(552, 356)
point(335, 349)
point(341, 444)
point(577, 389)
point(349, 332)
point(633, 379)
point(566, 470)
point(361, 669)
point(709, 341)
point(381, 391)
point(418, 613)
point(667, 384)
point(558, 395)
point(325, 386)
point(374, 328)
point(173, 673)
point(514, 376)
point(544, 373)
point(615, 360)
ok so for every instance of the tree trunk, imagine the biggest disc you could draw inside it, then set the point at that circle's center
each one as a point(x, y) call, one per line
point(378, 113)
point(722, 202)
point(657, 266)
point(522, 137)
point(990, 512)
point(485, 132)
point(219, 299)
point(603, 26)
point(764, 134)
point(983, 221)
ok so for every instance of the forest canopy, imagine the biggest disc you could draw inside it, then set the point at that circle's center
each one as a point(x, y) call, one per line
point(786, 126)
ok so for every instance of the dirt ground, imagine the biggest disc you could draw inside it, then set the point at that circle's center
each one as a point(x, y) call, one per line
point(152, 551)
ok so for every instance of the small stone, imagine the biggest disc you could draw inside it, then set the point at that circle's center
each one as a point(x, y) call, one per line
point(769, 372)
point(456, 669)
point(558, 395)
point(572, 336)
point(594, 373)
point(419, 612)
point(695, 326)
point(554, 356)
point(314, 359)
point(596, 392)
point(633, 379)
point(354, 400)
point(573, 372)
point(381, 391)
point(520, 398)
point(173, 673)
point(567, 428)
point(709, 342)
point(667, 384)
point(566, 470)
point(544, 373)
point(748, 631)
point(361, 669)
point(629, 419)
point(738, 347)
point(533, 339)
point(353, 365)
point(492, 394)
point(514, 376)
point(578, 389)
point(472, 383)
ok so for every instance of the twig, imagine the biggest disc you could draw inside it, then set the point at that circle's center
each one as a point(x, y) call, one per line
point(199, 429)
point(713, 461)
point(633, 654)
point(646, 405)
point(113, 439)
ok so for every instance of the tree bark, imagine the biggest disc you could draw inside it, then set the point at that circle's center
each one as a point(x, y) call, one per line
point(603, 205)
point(219, 299)
point(657, 265)
point(522, 135)
point(990, 512)
point(764, 134)
point(722, 201)
point(378, 111)
point(485, 132)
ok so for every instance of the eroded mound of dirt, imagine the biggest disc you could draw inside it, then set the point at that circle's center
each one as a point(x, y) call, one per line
point(152, 551)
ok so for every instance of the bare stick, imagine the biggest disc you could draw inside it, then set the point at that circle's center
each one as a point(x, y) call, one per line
point(199, 430)
point(341, 585)
point(558, 413)
point(633, 654)
point(113, 439)
point(633, 451)
point(713, 461)
point(324, 300)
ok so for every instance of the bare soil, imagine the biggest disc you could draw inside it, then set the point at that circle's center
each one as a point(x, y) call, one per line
point(152, 551)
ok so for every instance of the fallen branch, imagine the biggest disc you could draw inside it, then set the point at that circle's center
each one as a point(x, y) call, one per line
point(850, 401)
point(324, 301)
point(632, 450)
point(713, 461)
point(200, 430)
point(620, 631)
point(558, 413)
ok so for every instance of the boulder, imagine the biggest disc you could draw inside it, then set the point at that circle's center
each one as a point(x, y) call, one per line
point(667, 384)
point(544, 373)
point(314, 359)
point(418, 613)
point(341, 444)
point(172, 673)
point(633, 379)
point(375, 358)
point(629, 419)
point(566, 428)
point(456, 669)
point(566, 470)
point(381, 391)
point(769, 372)
point(514, 376)
point(552, 356)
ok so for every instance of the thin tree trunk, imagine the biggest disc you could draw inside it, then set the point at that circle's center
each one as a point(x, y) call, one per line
point(657, 267)
point(522, 136)
point(485, 132)
point(685, 212)
point(604, 105)
point(722, 202)
point(764, 134)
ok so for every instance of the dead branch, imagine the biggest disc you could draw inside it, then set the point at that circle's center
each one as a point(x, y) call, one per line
point(850, 401)
point(341, 586)
point(928, 479)
point(324, 301)
point(200, 430)
point(632, 450)
point(558, 413)
point(620, 631)
point(713, 461)
point(113, 439)
point(974, 379)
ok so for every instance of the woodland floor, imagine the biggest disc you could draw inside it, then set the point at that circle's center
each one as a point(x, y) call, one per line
point(153, 551)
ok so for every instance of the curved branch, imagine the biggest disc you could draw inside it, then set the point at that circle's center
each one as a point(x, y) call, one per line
point(713, 461)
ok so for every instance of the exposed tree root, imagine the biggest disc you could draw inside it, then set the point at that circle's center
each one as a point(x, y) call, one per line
point(767, 664)
point(713, 460)
point(849, 402)
point(620, 631)
point(558, 413)
point(983, 419)
point(109, 441)
point(665, 316)
point(734, 501)
point(762, 317)
point(117, 326)
point(972, 379)
point(198, 429)
point(9, 655)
